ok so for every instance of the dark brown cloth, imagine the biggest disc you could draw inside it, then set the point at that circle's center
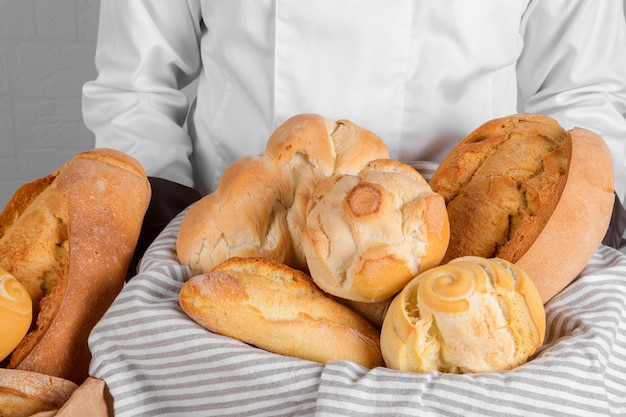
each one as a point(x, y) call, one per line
point(614, 234)
point(168, 199)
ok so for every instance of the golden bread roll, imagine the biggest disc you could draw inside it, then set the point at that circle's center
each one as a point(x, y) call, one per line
point(524, 189)
point(69, 238)
point(24, 393)
point(259, 206)
point(279, 309)
point(369, 234)
point(16, 313)
point(470, 315)
point(243, 217)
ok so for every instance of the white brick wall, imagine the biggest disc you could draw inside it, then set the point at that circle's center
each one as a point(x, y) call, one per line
point(46, 54)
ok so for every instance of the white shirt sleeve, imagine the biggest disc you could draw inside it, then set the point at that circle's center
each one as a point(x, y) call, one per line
point(147, 52)
point(573, 68)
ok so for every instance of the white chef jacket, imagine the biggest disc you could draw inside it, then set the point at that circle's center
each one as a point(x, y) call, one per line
point(421, 74)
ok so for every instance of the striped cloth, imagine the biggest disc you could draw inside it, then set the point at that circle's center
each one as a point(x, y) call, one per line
point(158, 362)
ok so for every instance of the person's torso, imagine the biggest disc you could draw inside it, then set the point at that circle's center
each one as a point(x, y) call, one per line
point(420, 74)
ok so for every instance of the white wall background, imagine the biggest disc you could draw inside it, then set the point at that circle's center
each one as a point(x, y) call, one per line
point(46, 55)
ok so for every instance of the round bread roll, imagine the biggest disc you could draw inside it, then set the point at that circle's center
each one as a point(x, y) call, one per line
point(369, 234)
point(523, 189)
point(279, 309)
point(24, 393)
point(16, 313)
point(259, 206)
point(471, 315)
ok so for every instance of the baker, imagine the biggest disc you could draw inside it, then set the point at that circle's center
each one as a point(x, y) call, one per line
point(420, 74)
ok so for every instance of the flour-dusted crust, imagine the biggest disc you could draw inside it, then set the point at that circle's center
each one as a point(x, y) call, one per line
point(280, 309)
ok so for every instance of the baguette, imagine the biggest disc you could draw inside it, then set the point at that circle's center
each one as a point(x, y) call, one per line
point(279, 309)
point(68, 239)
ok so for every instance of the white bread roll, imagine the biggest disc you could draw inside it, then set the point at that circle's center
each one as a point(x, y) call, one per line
point(279, 309)
point(369, 234)
point(259, 206)
point(16, 313)
point(470, 315)
point(69, 238)
point(523, 189)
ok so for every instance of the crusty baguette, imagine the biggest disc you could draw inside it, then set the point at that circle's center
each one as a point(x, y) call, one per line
point(279, 309)
point(470, 315)
point(524, 189)
point(259, 206)
point(24, 393)
point(69, 238)
point(369, 234)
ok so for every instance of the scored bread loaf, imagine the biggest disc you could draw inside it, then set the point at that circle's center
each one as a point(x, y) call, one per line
point(68, 238)
point(524, 189)
point(23, 393)
point(370, 233)
point(471, 315)
point(279, 309)
point(259, 206)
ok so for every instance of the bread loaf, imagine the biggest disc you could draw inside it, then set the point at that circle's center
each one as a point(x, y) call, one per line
point(369, 234)
point(68, 239)
point(279, 309)
point(23, 393)
point(259, 206)
point(524, 189)
point(470, 315)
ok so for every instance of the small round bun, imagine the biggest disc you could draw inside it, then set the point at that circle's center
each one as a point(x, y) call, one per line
point(471, 315)
point(369, 234)
point(16, 313)
point(524, 189)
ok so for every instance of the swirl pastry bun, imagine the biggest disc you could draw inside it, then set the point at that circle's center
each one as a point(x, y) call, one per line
point(16, 313)
point(471, 315)
point(370, 233)
point(279, 309)
point(524, 189)
point(259, 206)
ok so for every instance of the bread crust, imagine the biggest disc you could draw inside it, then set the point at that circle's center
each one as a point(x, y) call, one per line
point(472, 314)
point(578, 222)
point(16, 313)
point(369, 234)
point(259, 206)
point(24, 393)
point(524, 189)
point(70, 243)
point(281, 310)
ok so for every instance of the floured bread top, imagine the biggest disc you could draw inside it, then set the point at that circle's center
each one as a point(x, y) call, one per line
point(501, 184)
